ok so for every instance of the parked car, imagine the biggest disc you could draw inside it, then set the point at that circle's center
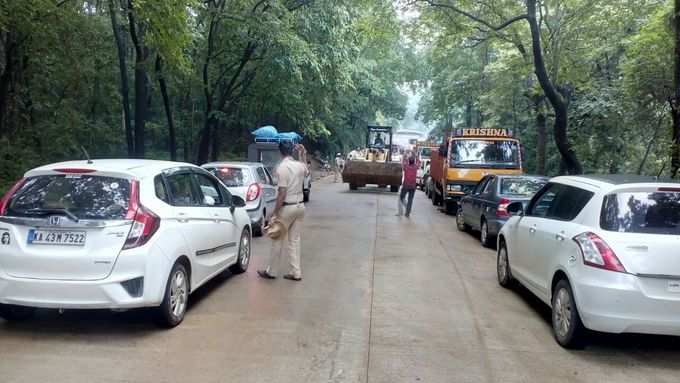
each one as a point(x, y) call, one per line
point(252, 182)
point(601, 251)
point(117, 234)
point(485, 209)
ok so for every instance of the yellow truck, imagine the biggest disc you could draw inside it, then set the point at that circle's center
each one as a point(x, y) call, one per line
point(468, 155)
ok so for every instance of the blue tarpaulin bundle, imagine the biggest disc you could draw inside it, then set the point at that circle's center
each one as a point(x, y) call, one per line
point(270, 134)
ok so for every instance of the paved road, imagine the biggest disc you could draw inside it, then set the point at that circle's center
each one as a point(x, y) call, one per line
point(384, 300)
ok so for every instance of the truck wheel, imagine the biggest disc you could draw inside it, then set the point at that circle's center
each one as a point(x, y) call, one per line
point(394, 188)
point(435, 198)
point(451, 207)
point(352, 187)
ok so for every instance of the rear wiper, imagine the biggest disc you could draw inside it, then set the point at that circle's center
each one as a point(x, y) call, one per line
point(46, 211)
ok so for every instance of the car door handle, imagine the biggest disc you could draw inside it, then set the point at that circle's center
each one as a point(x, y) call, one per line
point(532, 230)
point(560, 237)
point(182, 220)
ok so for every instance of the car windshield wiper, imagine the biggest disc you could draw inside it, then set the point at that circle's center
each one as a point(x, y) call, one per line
point(45, 211)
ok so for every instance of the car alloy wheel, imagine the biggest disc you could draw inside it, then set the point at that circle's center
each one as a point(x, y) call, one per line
point(562, 313)
point(502, 265)
point(244, 250)
point(460, 220)
point(179, 293)
point(244, 253)
point(566, 321)
point(484, 236)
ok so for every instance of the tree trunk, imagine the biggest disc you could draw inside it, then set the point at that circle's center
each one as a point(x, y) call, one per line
point(215, 151)
point(204, 143)
point(172, 139)
point(541, 138)
point(559, 105)
point(468, 114)
point(11, 60)
point(124, 86)
point(141, 81)
point(650, 144)
point(675, 99)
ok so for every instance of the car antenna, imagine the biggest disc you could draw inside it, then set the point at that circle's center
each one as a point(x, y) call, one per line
point(87, 155)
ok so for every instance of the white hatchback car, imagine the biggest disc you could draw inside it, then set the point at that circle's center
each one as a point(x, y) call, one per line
point(117, 234)
point(602, 251)
point(252, 182)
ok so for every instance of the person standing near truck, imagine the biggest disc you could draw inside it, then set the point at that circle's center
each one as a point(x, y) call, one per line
point(409, 165)
point(339, 166)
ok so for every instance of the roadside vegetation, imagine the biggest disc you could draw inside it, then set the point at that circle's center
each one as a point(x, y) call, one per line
point(588, 86)
point(190, 79)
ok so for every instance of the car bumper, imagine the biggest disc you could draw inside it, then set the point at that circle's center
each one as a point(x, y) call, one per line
point(495, 226)
point(624, 303)
point(254, 211)
point(108, 293)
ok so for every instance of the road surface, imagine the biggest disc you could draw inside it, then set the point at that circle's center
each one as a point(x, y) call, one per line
point(384, 300)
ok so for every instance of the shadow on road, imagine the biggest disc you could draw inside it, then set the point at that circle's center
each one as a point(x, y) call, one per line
point(630, 344)
point(131, 323)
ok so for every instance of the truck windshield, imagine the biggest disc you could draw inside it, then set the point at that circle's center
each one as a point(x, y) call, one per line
point(425, 153)
point(484, 153)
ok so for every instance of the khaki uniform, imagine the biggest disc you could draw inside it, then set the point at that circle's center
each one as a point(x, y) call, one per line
point(291, 175)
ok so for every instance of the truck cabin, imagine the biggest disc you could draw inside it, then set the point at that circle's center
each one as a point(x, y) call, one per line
point(482, 148)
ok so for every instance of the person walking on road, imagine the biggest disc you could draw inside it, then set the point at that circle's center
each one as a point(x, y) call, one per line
point(288, 213)
point(409, 165)
point(339, 167)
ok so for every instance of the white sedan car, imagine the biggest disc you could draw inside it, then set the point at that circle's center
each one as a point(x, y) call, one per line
point(117, 234)
point(603, 252)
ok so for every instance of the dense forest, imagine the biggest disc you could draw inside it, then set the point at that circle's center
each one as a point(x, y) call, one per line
point(589, 86)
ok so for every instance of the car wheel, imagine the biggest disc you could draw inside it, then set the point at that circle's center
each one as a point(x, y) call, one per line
point(258, 227)
point(451, 207)
point(460, 221)
point(484, 236)
point(503, 267)
point(241, 265)
point(352, 187)
point(14, 313)
point(394, 188)
point(171, 311)
point(566, 321)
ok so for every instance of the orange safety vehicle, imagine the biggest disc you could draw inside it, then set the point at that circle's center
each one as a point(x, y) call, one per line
point(468, 155)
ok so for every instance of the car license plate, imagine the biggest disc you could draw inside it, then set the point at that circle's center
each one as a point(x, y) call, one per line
point(674, 286)
point(56, 237)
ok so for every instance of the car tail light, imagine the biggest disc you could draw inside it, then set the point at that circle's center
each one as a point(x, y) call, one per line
point(597, 253)
point(5, 198)
point(145, 223)
point(502, 209)
point(74, 171)
point(253, 192)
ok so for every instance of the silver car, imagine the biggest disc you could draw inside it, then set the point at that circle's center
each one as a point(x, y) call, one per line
point(252, 182)
point(602, 251)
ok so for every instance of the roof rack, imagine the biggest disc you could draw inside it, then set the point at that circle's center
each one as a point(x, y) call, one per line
point(275, 140)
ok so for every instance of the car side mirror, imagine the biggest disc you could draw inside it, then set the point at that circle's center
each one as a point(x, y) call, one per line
point(237, 201)
point(516, 208)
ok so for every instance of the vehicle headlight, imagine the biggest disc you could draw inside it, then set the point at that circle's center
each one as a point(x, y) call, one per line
point(455, 188)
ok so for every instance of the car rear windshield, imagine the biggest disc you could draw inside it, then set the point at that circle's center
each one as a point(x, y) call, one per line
point(642, 212)
point(232, 176)
point(80, 196)
point(525, 187)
